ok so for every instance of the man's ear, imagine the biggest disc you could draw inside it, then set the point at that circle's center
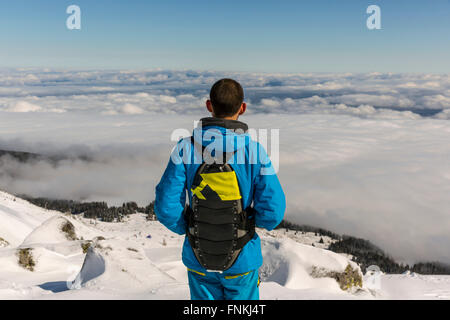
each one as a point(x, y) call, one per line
point(209, 106)
point(243, 108)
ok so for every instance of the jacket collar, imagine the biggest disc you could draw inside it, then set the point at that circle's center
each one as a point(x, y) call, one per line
point(225, 123)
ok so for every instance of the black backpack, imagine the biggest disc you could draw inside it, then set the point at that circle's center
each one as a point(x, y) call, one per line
point(217, 226)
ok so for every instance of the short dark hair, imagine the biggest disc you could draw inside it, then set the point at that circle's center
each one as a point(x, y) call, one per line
point(226, 97)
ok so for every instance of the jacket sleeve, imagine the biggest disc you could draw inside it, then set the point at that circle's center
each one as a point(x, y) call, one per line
point(269, 200)
point(170, 196)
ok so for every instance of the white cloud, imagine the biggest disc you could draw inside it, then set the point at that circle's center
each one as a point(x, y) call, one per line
point(270, 103)
point(131, 109)
point(23, 106)
point(185, 91)
point(167, 99)
point(379, 100)
point(436, 101)
point(444, 115)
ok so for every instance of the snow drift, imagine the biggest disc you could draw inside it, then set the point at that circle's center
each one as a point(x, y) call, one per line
point(93, 266)
point(57, 229)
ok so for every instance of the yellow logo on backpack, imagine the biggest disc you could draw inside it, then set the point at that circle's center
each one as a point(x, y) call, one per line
point(225, 184)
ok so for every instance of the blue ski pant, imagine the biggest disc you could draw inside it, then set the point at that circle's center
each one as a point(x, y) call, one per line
point(218, 286)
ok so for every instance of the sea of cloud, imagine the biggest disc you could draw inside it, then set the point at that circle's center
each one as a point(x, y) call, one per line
point(362, 154)
point(174, 92)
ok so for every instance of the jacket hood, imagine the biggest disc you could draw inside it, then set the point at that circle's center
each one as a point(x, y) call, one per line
point(224, 123)
point(229, 134)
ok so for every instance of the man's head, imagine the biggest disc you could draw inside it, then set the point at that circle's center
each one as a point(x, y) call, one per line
point(226, 99)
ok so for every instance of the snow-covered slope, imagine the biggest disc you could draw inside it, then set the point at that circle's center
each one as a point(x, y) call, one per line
point(18, 218)
point(139, 259)
point(50, 231)
point(290, 264)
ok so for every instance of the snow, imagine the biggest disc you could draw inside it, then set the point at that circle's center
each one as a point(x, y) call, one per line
point(415, 286)
point(93, 267)
point(129, 265)
point(49, 232)
point(17, 222)
point(290, 264)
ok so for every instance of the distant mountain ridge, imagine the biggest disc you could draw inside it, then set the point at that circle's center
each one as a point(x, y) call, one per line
point(24, 157)
point(20, 155)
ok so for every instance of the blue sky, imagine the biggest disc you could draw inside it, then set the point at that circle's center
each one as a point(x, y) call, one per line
point(262, 36)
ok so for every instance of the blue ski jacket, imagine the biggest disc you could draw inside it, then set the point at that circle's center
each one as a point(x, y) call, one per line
point(258, 183)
